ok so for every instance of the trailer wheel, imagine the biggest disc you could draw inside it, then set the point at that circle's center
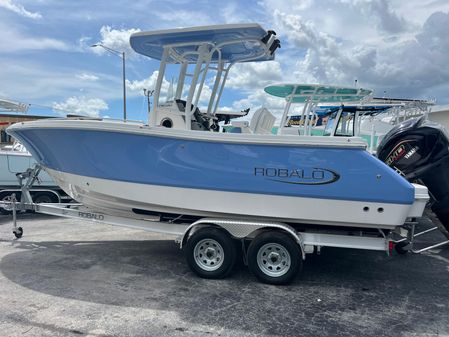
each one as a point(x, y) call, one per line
point(210, 253)
point(274, 257)
point(400, 247)
point(42, 198)
point(18, 232)
point(6, 197)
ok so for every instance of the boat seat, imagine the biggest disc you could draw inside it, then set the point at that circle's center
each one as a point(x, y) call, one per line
point(262, 121)
point(200, 121)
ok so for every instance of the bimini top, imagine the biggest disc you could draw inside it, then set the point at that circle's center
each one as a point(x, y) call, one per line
point(11, 106)
point(237, 42)
point(301, 93)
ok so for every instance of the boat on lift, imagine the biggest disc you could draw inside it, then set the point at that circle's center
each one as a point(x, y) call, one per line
point(179, 165)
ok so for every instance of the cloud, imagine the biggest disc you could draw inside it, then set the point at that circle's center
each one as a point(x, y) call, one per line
point(254, 75)
point(149, 83)
point(408, 65)
point(31, 81)
point(380, 12)
point(259, 98)
point(19, 9)
point(87, 77)
point(12, 40)
point(117, 39)
point(81, 106)
point(136, 87)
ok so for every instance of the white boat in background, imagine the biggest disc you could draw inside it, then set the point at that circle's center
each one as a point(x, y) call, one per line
point(440, 115)
point(15, 160)
point(7, 105)
point(347, 111)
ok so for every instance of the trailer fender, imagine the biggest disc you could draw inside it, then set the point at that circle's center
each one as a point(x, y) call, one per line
point(242, 228)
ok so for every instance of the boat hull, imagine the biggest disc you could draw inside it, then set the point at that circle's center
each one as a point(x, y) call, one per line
point(132, 168)
point(130, 199)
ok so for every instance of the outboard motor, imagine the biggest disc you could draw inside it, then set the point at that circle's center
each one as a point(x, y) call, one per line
point(419, 149)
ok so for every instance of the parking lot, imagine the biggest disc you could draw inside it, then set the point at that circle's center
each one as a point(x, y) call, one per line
point(68, 277)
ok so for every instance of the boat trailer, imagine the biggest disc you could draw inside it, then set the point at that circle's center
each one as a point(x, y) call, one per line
point(273, 251)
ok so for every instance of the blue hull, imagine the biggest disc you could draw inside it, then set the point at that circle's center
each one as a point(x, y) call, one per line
point(302, 171)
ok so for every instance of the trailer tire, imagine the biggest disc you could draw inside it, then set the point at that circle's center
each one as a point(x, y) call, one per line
point(7, 197)
point(400, 247)
point(211, 253)
point(43, 197)
point(274, 257)
point(18, 232)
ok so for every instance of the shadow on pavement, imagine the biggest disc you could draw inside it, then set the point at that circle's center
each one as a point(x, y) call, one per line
point(340, 292)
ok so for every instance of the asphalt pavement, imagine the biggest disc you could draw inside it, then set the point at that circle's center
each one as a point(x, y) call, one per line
point(68, 277)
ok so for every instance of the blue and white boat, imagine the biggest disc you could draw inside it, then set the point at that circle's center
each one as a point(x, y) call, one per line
point(179, 164)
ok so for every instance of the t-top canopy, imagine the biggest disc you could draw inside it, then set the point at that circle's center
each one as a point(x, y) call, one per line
point(301, 93)
point(237, 43)
point(10, 106)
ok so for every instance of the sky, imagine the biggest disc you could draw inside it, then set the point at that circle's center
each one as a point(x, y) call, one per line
point(398, 48)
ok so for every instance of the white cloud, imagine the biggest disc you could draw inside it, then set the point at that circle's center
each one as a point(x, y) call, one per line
point(380, 12)
point(259, 98)
point(81, 106)
point(136, 87)
point(12, 40)
point(419, 11)
point(254, 75)
point(147, 83)
point(117, 39)
point(405, 65)
point(19, 9)
point(232, 13)
point(31, 81)
point(87, 77)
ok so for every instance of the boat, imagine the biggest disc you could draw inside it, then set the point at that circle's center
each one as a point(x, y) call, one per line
point(347, 111)
point(397, 130)
point(15, 160)
point(440, 114)
point(180, 165)
point(279, 196)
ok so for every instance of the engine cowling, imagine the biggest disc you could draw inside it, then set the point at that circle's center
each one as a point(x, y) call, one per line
point(419, 149)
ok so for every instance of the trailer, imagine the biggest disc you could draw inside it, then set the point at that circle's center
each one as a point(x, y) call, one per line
point(41, 190)
point(273, 251)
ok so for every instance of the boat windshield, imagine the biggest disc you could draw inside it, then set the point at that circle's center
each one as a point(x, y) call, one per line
point(329, 127)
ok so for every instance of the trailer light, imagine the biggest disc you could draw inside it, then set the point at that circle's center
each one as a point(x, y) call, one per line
point(390, 247)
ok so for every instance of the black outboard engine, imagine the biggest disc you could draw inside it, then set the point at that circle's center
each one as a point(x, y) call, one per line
point(419, 149)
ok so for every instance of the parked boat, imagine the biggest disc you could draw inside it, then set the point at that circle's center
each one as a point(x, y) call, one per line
point(15, 160)
point(346, 111)
point(179, 170)
point(415, 147)
point(281, 196)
